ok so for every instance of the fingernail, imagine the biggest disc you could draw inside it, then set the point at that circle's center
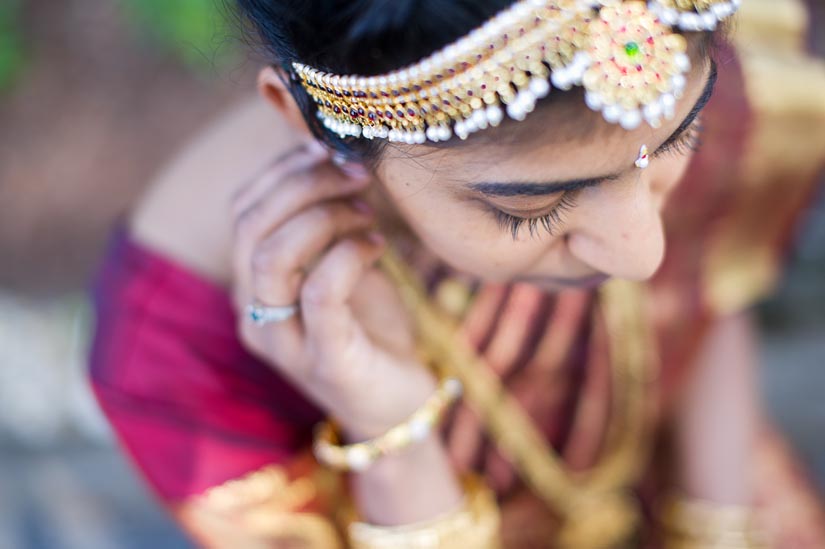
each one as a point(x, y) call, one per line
point(362, 206)
point(316, 148)
point(376, 237)
point(355, 171)
point(338, 159)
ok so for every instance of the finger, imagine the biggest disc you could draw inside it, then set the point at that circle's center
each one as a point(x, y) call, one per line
point(281, 258)
point(296, 159)
point(296, 192)
point(285, 336)
point(280, 261)
point(245, 195)
point(328, 320)
point(281, 347)
point(299, 158)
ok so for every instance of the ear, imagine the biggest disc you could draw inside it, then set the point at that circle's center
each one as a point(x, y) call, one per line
point(272, 87)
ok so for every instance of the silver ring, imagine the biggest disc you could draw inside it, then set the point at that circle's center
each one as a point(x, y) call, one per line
point(262, 314)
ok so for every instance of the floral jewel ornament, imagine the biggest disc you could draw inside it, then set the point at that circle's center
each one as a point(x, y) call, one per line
point(628, 56)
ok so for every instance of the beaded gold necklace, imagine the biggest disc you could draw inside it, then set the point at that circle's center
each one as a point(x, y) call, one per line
point(596, 506)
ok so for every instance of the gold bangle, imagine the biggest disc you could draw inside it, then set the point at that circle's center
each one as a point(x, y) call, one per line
point(361, 455)
point(691, 523)
point(475, 524)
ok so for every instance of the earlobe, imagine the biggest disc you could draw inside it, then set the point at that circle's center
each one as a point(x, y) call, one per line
point(272, 86)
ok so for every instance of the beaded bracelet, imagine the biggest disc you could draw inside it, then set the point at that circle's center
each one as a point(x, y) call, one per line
point(474, 524)
point(417, 427)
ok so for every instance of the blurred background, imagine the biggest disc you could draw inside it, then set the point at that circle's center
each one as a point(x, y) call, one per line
point(94, 94)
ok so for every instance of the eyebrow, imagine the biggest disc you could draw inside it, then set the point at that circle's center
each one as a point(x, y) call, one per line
point(548, 188)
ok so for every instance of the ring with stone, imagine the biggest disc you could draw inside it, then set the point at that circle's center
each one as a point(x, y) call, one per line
point(262, 314)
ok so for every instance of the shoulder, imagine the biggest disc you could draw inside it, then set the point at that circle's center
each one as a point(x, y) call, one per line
point(784, 86)
point(781, 159)
point(184, 213)
point(732, 222)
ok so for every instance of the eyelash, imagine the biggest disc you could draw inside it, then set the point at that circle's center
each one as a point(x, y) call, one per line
point(549, 221)
point(689, 141)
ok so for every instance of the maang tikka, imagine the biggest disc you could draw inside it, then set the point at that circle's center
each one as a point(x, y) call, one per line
point(628, 57)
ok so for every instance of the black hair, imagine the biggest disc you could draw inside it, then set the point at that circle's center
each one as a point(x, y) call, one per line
point(363, 37)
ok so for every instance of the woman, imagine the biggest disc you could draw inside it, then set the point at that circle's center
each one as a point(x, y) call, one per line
point(361, 248)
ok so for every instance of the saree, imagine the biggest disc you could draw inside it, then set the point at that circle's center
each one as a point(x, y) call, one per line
point(225, 442)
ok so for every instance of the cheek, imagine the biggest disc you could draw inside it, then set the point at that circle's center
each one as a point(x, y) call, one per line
point(467, 238)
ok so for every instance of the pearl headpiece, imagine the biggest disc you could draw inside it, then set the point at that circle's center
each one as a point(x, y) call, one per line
point(627, 55)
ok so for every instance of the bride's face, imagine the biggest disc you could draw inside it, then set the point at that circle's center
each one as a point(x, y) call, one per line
point(564, 173)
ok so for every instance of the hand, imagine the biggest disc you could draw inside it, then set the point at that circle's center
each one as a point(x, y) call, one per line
point(301, 235)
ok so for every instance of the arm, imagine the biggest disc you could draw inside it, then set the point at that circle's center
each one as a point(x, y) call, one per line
point(219, 438)
point(718, 414)
point(411, 487)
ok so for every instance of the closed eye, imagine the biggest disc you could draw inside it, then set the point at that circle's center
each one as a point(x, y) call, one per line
point(684, 140)
point(549, 221)
point(685, 143)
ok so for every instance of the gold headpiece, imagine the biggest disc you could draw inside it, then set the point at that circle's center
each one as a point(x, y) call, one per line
point(627, 56)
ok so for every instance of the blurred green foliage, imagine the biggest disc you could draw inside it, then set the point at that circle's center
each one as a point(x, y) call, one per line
point(12, 47)
point(197, 31)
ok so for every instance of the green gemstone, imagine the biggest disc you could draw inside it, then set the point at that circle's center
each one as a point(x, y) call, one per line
point(632, 49)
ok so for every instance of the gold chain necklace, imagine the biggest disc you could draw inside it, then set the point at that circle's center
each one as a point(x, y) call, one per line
point(597, 507)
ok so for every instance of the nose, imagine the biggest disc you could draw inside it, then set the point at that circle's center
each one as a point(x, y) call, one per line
point(623, 235)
